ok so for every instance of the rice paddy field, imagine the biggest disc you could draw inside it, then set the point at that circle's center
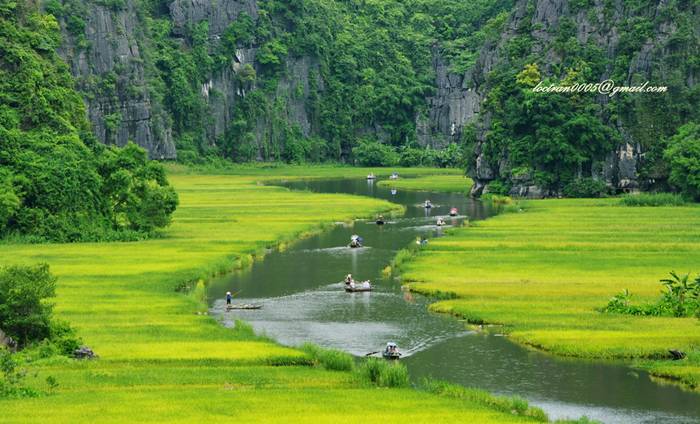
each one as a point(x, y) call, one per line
point(163, 359)
point(544, 272)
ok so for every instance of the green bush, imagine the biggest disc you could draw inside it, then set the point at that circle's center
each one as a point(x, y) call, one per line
point(683, 157)
point(499, 187)
point(652, 199)
point(24, 314)
point(12, 377)
point(681, 298)
point(372, 153)
point(586, 188)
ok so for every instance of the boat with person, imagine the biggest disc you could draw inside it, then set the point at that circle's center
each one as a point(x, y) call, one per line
point(427, 204)
point(354, 287)
point(355, 241)
point(454, 212)
point(380, 220)
point(243, 306)
point(394, 176)
point(391, 351)
point(440, 222)
point(371, 176)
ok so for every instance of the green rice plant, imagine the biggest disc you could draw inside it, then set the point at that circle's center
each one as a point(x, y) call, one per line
point(330, 359)
point(653, 199)
point(545, 273)
point(512, 405)
point(384, 373)
point(395, 374)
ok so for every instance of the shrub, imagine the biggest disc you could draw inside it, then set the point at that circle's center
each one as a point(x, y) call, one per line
point(23, 313)
point(372, 153)
point(410, 157)
point(498, 187)
point(12, 377)
point(586, 188)
point(652, 199)
point(683, 157)
point(330, 359)
point(681, 298)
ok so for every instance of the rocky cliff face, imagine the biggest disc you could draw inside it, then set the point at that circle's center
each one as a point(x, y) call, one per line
point(460, 98)
point(107, 62)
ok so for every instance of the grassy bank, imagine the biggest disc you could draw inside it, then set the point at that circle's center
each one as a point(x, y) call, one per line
point(544, 272)
point(448, 183)
point(162, 361)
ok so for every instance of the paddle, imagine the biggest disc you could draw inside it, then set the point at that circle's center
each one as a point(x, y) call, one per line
point(373, 353)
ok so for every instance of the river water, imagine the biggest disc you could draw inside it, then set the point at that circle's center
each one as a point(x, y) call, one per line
point(304, 301)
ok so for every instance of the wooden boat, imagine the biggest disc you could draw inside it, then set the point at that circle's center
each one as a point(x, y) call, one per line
point(358, 288)
point(391, 355)
point(243, 306)
point(391, 351)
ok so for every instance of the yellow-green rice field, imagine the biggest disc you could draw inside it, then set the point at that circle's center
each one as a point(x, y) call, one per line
point(161, 360)
point(543, 273)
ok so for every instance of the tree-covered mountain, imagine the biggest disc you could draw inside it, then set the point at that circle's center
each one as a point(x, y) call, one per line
point(438, 82)
point(56, 182)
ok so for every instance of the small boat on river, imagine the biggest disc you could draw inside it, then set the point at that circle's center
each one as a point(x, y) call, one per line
point(440, 222)
point(453, 212)
point(380, 220)
point(428, 204)
point(394, 176)
point(353, 287)
point(371, 176)
point(391, 351)
point(355, 242)
point(243, 306)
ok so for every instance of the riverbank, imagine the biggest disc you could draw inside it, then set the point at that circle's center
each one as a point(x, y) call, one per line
point(162, 359)
point(543, 274)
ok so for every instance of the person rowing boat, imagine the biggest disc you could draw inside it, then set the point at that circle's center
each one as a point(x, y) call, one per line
point(355, 241)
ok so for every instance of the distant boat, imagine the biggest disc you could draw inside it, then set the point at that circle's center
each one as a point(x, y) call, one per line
point(364, 286)
point(371, 176)
point(243, 306)
point(453, 212)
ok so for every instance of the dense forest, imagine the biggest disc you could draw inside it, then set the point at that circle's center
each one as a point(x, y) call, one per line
point(56, 181)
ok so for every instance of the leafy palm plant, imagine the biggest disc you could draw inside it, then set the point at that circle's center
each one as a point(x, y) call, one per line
point(682, 293)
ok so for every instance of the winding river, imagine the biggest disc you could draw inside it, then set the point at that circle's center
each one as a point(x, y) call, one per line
point(305, 302)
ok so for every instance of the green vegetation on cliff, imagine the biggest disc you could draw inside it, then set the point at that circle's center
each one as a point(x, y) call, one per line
point(56, 182)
